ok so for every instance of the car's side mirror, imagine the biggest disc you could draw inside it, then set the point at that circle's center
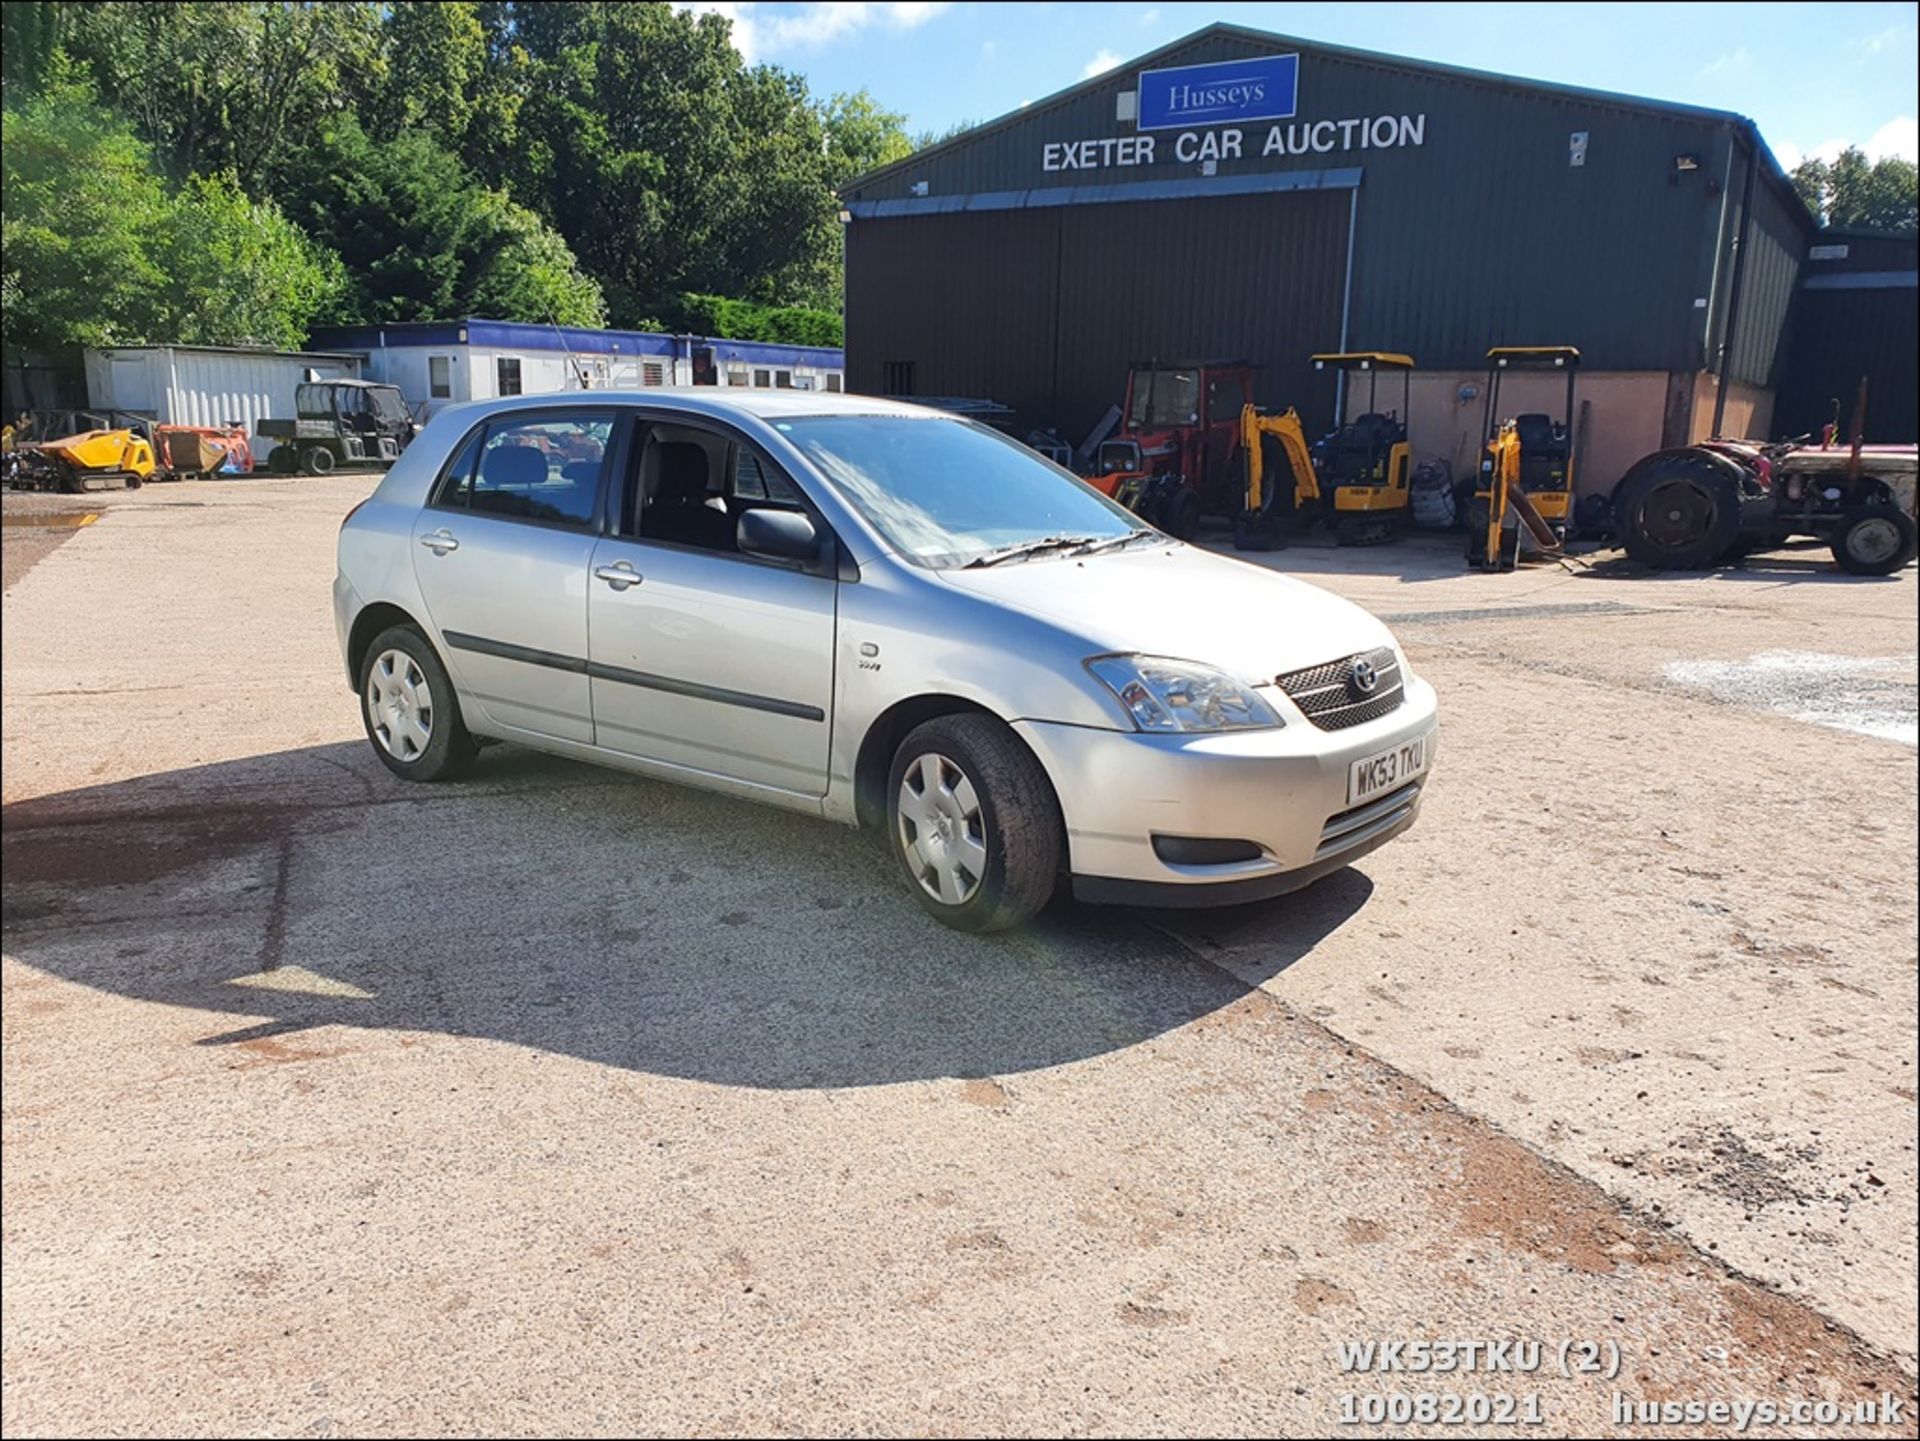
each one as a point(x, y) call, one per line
point(777, 534)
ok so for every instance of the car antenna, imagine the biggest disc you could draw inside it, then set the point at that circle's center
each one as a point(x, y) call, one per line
point(572, 359)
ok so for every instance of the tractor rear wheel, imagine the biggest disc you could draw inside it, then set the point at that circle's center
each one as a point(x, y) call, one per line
point(1684, 518)
point(1876, 539)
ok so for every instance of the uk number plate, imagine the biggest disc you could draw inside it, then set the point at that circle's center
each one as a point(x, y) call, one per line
point(1375, 775)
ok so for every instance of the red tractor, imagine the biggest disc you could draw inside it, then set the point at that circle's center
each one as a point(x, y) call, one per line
point(1172, 458)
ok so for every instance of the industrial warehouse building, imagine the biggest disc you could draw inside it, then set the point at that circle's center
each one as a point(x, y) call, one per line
point(1243, 195)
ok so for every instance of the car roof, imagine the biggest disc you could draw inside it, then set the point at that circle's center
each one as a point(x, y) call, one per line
point(722, 401)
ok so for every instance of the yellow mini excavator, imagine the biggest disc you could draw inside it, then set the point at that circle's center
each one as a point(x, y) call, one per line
point(1526, 468)
point(1356, 478)
point(1365, 464)
point(1281, 490)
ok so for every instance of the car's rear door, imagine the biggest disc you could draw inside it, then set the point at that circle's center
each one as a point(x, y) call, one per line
point(502, 552)
point(704, 658)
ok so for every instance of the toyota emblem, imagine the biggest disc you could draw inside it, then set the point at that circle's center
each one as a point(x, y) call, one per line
point(1363, 677)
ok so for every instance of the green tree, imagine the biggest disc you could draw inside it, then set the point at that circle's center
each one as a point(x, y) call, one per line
point(96, 250)
point(219, 85)
point(925, 138)
point(669, 166)
point(238, 271)
point(717, 315)
point(861, 136)
point(29, 35)
point(422, 240)
point(82, 203)
point(436, 56)
point(1881, 195)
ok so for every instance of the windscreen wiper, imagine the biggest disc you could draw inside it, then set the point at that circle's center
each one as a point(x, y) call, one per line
point(1114, 542)
point(1022, 549)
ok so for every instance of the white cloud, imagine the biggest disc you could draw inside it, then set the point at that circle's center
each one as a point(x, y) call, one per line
point(1895, 38)
point(760, 30)
point(1899, 136)
point(1151, 17)
point(1734, 62)
point(989, 49)
point(1100, 64)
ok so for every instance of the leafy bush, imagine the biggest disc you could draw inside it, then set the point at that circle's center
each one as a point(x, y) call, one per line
point(727, 319)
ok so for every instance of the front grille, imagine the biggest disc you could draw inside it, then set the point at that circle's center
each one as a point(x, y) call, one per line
point(1325, 693)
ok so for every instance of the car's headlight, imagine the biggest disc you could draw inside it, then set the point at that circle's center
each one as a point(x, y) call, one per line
point(1171, 696)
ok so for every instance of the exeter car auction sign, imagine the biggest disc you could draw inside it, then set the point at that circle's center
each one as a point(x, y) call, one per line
point(1216, 108)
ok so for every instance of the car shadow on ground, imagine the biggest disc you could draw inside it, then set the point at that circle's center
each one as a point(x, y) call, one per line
point(593, 914)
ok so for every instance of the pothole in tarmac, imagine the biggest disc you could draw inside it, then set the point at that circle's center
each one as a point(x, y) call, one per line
point(1868, 695)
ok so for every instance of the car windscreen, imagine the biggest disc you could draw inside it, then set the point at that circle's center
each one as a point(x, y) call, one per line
point(944, 492)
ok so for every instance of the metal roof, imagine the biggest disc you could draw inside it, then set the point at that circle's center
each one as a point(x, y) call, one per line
point(1270, 38)
point(523, 335)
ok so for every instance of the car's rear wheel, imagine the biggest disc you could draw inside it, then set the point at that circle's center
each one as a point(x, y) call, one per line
point(409, 709)
point(1875, 539)
point(973, 821)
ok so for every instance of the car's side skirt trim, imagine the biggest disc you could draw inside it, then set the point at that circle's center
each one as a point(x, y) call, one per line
point(505, 650)
point(771, 704)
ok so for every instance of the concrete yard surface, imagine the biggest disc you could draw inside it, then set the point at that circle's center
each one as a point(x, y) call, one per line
point(557, 1100)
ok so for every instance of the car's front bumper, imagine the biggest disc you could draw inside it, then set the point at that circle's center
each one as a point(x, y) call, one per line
point(1284, 790)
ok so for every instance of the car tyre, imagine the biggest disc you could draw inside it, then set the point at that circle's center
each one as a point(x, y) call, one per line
point(973, 822)
point(1876, 539)
point(317, 460)
point(407, 705)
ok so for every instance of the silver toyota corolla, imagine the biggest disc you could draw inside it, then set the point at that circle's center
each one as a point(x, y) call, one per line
point(882, 615)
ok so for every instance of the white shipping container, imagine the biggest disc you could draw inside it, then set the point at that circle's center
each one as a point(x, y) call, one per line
point(201, 385)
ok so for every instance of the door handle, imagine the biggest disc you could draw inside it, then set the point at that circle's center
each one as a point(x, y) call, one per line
point(619, 575)
point(440, 541)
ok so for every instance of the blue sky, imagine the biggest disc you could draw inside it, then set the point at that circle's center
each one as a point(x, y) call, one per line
point(1813, 76)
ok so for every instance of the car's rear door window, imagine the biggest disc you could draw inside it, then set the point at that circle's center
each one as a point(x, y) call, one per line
point(546, 469)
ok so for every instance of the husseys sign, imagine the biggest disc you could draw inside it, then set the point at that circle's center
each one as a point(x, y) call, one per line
point(1220, 112)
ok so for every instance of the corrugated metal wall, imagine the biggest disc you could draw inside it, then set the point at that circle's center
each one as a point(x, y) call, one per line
point(1857, 312)
point(1777, 242)
point(1484, 233)
point(1044, 310)
point(213, 388)
point(178, 385)
point(1839, 336)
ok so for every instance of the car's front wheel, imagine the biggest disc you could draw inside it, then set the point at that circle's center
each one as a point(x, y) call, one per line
point(409, 709)
point(973, 820)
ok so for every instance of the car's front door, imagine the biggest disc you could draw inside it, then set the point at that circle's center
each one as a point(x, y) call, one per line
point(502, 551)
point(702, 657)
